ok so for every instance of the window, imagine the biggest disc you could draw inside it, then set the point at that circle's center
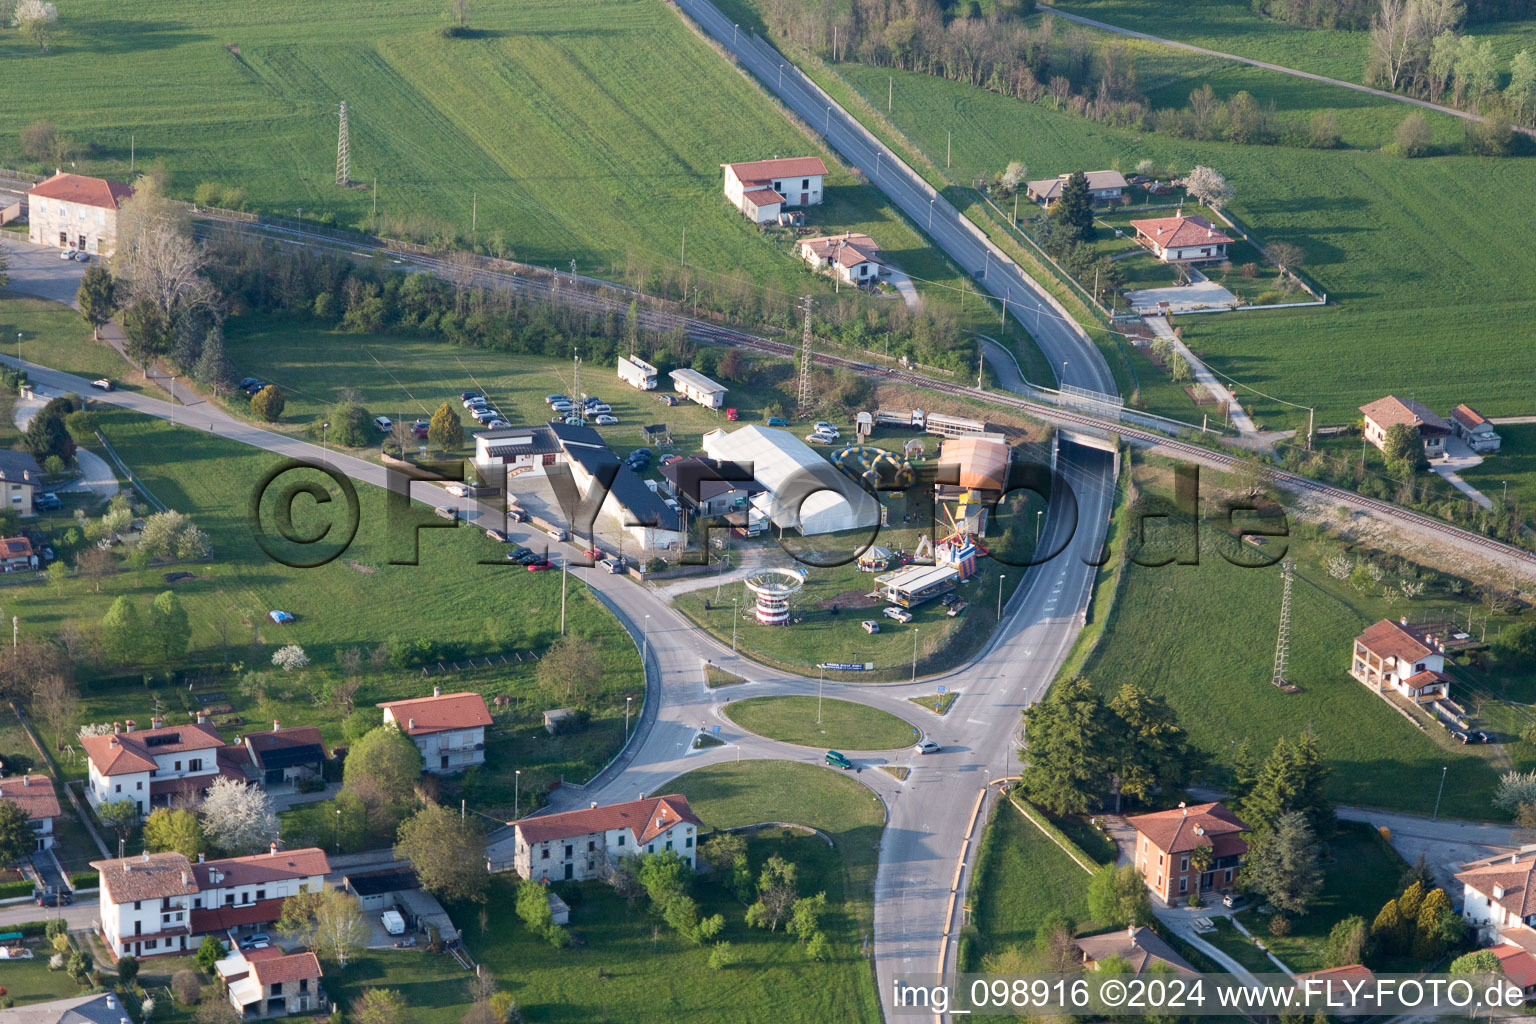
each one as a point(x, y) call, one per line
point(544, 854)
point(651, 848)
point(139, 785)
point(277, 988)
point(118, 788)
point(261, 894)
point(1183, 885)
point(621, 838)
point(138, 904)
point(688, 843)
point(570, 848)
point(195, 765)
point(177, 766)
point(591, 845)
point(303, 984)
point(1183, 863)
point(1229, 874)
point(669, 844)
point(805, 182)
point(1159, 860)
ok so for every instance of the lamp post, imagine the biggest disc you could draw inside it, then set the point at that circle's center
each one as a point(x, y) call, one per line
point(828, 125)
point(781, 76)
point(173, 398)
point(1441, 793)
point(18, 348)
point(931, 200)
point(325, 428)
point(819, 683)
point(628, 703)
point(338, 830)
point(734, 27)
point(914, 654)
point(735, 620)
point(1038, 513)
point(517, 787)
point(645, 645)
point(1000, 577)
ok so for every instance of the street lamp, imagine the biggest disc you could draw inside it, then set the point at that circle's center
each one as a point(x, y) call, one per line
point(326, 426)
point(781, 76)
point(914, 654)
point(1441, 793)
point(18, 348)
point(1038, 513)
point(628, 703)
point(735, 620)
point(931, 200)
point(517, 786)
point(173, 398)
point(819, 683)
point(338, 830)
point(734, 27)
point(1000, 577)
point(645, 645)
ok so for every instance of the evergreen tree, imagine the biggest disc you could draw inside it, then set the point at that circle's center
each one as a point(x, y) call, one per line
point(1245, 770)
point(1074, 210)
point(46, 435)
point(97, 298)
point(1387, 929)
point(1282, 864)
point(212, 367)
point(1070, 739)
point(16, 836)
point(1348, 941)
point(1153, 749)
point(1428, 935)
point(148, 332)
point(268, 403)
point(446, 431)
point(1293, 778)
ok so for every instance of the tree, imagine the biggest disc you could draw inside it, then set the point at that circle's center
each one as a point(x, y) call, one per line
point(1433, 929)
point(1401, 445)
point(1074, 210)
point(381, 770)
point(351, 425)
point(1516, 644)
point(776, 893)
point(1323, 130)
point(727, 852)
point(16, 838)
point(330, 922)
point(148, 331)
point(208, 954)
point(1013, 176)
point(185, 985)
point(268, 403)
point(447, 852)
point(1348, 941)
point(122, 633)
point(81, 425)
point(212, 367)
point(664, 877)
point(379, 1006)
point(1387, 929)
point(290, 657)
point(214, 1009)
point(1521, 91)
point(533, 909)
point(237, 818)
point(35, 19)
point(1117, 896)
point(1207, 186)
point(805, 917)
point(1412, 136)
point(570, 668)
point(127, 968)
point(170, 630)
point(97, 298)
point(1153, 750)
point(38, 140)
point(1293, 778)
point(178, 830)
point(445, 432)
point(47, 435)
point(173, 535)
point(1066, 765)
point(1282, 864)
point(55, 701)
point(120, 817)
point(1286, 255)
point(1492, 136)
point(1483, 961)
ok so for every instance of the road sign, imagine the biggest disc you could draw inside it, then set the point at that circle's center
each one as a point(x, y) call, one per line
point(847, 666)
point(942, 690)
point(714, 729)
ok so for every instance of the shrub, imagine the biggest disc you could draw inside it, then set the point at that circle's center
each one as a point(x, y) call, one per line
point(186, 987)
point(1412, 136)
point(1269, 298)
point(268, 403)
point(207, 193)
point(1279, 926)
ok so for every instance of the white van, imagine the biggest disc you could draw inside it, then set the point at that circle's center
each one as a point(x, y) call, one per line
point(383, 423)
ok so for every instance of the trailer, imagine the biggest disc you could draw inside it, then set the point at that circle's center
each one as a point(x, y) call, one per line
point(637, 373)
point(695, 386)
point(912, 418)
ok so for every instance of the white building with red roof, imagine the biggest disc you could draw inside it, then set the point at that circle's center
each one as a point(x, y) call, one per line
point(151, 766)
point(34, 794)
point(1499, 897)
point(1475, 429)
point(1166, 842)
point(762, 189)
point(852, 258)
point(73, 211)
point(267, 982)
point(1383, 414)
point(1191, 239)
point(1390, 656)
point(448, 728)
point(580, 844)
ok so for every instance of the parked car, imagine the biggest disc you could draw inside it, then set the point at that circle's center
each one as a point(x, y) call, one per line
point(51, 896)
point(383, 423)
point(519, 552)
point(67, 254)
point(420, 428)
point(261, 940)
point(447, 512)
point(497, 424)
point(517, 515)
point(605, 420)
point(1459, 736)
point(466, 394)
point(928, 747)
point(540, 565)
point(957, 609)
point(613, 565)
point(562, 407)
point(102, 384)
point(949, 599)
point(596, 554)
point(823, 427)
point(457, 490)
point(819, 438)
point(1478, 736)
point(777, 421)
point(870, 626)
point(899, 614)
point(732, 415)
point(599, 408)
point(557, 533)
point(552, 399)
point(472, 401)
point(282, 618)
point(837, 760)
point(1234, 900)
point(667, 399)
point(82, 257)
point(496, 535)
point(246, 382)
point(47, 502)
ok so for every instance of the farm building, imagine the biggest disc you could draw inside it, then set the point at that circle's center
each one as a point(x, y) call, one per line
point(1190, 239)
point(1385, 413)
point(1103, 186)
point(853, 259)
point(696, 387)
point(762, 189)
point(1473, 427)
point(801, 490)
point(76, 212)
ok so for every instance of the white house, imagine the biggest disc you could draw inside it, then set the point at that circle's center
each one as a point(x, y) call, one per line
point(517, 448)
point(448, 728)
point(157, 903)
point(1475, 429)
point(762, 189)
point(1182, 239)
point(1497, 894)
point(1383, 414)
point(73, 211)
point(853, 259)
point(1390, 656)
point(696, 387)
point(267, 982)
point(580, 844)
point(34, 794)
point(149, 767)
point(648, 521)
point(1103, 187)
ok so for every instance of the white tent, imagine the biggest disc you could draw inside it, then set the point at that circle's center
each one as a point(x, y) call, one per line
point(804, 490)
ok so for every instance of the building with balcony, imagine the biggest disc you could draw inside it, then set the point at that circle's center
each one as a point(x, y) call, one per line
point(579, 845)
point(1390, 657)
point(1188, 850)
point(35, 795)
point(264, 983)
point(448, 728)
point(149, 767)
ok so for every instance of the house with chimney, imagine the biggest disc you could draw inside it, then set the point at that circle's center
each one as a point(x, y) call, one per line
point(448, 728)
point(1391, 657)
point(1182, 239)
point(150, 767)
point(35, 795)
point(285, 756)
point(1103, 187)
point(1383, 414)
point(578, 845)
point(1137, 945)
point(266, 983)
point(75, 211)
point(764, 189)
point(1189, 850)
point(19, 476)
point(156, 904)
point(93, 1008)
point(851, 258)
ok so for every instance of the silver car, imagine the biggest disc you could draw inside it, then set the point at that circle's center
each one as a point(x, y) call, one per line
point(928, 747)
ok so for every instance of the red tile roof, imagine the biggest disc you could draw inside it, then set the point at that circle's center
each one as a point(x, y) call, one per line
point(1519, 966)
point(645, 819)
point(1388, 639)
point(150, 876)
point(33, 794)
point(1390, 411)
point(77, 188)
point(220, 919)
point(293, 967)
point(263, 867)
point(1357, 971)
point(848, 249)
point(1174, 232)
point(15, 547)
point(1425, 678)
point(439, 714)
point(1184, 828)
point(1510, 874)
point(763, 171)
point(127, 752)
point(1468, 416)
point(762, 197)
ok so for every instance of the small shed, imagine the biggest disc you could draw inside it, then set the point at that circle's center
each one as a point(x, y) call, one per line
point(657, 434)
point(558, 719)
point(377, 890)
point(558, 911)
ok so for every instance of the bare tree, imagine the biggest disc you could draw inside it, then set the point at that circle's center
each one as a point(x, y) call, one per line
point(56, 702)
point(458, 10)
point(96, 564)
point(1393, 32)
point(35, 19)
point(156, 254)
point(569, 668)
point(1285, 255)
point(1495, 598)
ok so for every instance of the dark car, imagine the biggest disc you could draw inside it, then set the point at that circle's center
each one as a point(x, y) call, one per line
point(466, 395)
point(667, 399)
point(246, 382)
point(1481, 737)
point(519, 552)
point(517, 515)
point(47, 502)
point(50, 896)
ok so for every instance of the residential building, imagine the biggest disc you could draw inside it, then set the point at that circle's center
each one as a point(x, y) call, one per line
point(264, 983)
point(1385, 413)
point(696, 387)
point(1166, 842)
point(801, 490)
point(76, 212)
point(762, 189)
point(1519, 967)
point(1181, 239)
point(851, 258)
point(248, 892)
point(1391, 657)
point(1475, 429)
point(16, 555)
point(709, 487)
point(1498, 896)
point(286, 755)
point(149, 767)
point(35, 795)
point(1138, 946)
point(579, 844)
point(1103, 186)
point(94, 1008)
point(448, 728)
point(19, 476)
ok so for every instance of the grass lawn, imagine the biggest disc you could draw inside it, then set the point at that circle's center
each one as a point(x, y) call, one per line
point(1222, 620)
point(1515, 461)
point(938, 703)
point(843, 724)
point(1240, 947)
point(1360, 875)
point(1021, 880)
point(54, 335)
point(30, 981)
point(1088, 839)
point(434, 986)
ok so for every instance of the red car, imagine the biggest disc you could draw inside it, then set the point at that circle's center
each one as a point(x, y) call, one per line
point(596, 554)
point(539, 566)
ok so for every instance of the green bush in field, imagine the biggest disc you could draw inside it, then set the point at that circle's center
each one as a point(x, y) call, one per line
point(268, 403)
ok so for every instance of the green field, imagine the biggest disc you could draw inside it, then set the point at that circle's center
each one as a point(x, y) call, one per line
point(825, 723)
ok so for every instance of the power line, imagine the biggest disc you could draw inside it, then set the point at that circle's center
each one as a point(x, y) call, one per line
point(343, 151)
point(1283, 641)
point(805, 359)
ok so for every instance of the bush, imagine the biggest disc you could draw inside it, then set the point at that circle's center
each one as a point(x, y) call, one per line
point(1492, 136)
point(1412, 136)
point(1279, 926)
point(268, 403)
point(351, 426)
point(207, 193)
point(1269, 298)
point(186, 987)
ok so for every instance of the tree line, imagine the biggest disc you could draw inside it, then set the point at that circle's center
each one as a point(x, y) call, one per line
point(1417, 47)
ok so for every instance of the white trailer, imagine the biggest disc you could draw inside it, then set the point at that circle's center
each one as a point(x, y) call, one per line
point(954, 426)
point(637, 373)
point(694, 385)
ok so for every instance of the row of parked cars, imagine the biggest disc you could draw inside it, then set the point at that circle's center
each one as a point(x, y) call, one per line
point(822, 433)
point(481, 410)
point(570, 409)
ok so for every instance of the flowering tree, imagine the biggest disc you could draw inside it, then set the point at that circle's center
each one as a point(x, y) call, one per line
point(237, 818)
point(35, 19)
point(1208, 187)
point(290, 657)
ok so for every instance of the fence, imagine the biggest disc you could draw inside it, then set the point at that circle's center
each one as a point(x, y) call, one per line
point(488, 661)
point(123, 468)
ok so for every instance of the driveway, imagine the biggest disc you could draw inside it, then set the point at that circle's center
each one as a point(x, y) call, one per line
point(1200, 294)
point(95, 474)
point(1445, 843)
point(1459, 456)
point(37, 270)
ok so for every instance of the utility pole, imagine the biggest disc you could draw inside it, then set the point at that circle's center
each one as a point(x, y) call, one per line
point(343, 152)
point(949, 137)
point(890, 92)
point(375, 195)
point(914, 654)
point(682, 253)
point(1283, 641)
point(474, 212)
point(819, 684)
point(805, 359)
point(132, 151)
point(735, 618)
point(565, 571)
